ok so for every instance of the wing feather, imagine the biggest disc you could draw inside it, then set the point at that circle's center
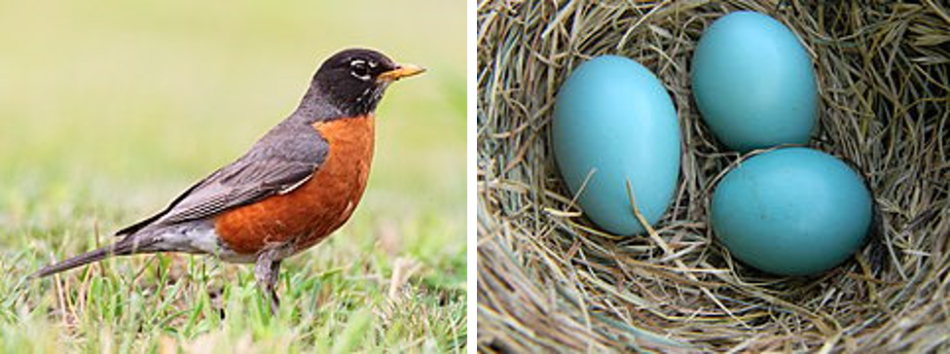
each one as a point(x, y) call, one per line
point(281, 161)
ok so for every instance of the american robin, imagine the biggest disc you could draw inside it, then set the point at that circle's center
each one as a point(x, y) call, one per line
point(295, 186)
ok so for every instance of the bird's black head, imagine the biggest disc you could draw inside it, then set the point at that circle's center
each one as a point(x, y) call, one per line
point(353, 80)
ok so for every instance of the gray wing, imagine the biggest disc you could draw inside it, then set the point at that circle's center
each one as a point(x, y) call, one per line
point(281, 161)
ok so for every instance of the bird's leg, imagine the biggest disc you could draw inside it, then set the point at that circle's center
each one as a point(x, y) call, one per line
point(266, 272)
point(272, 284)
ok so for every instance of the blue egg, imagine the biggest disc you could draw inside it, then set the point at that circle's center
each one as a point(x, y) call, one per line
point(615, 122)
point(753, 83)
point(792, 211)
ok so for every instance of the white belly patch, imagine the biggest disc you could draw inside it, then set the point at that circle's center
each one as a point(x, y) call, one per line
point(201, 239)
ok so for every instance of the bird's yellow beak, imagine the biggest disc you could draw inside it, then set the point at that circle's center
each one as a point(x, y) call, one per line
point(401, 71)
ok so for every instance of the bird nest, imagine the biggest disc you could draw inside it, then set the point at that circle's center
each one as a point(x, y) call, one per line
point(549, 280)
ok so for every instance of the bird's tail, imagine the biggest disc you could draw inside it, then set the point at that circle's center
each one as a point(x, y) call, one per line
point(127, 246)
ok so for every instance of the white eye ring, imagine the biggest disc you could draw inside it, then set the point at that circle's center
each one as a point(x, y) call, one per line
point(359, 64)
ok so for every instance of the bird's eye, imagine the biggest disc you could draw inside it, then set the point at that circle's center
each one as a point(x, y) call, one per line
point(359, 70)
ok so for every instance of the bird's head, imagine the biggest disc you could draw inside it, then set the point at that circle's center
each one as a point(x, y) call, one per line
point(354, 80)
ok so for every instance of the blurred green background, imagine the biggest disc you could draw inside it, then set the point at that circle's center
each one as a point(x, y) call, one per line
point(131, 95)
point(109, 109)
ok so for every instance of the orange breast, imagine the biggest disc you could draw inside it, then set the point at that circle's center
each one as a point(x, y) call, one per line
point(309, 213)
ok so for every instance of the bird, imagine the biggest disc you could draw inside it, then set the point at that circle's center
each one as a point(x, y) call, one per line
point(295, 186)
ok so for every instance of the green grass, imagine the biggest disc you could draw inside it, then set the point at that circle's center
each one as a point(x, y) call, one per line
point(109, 109)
